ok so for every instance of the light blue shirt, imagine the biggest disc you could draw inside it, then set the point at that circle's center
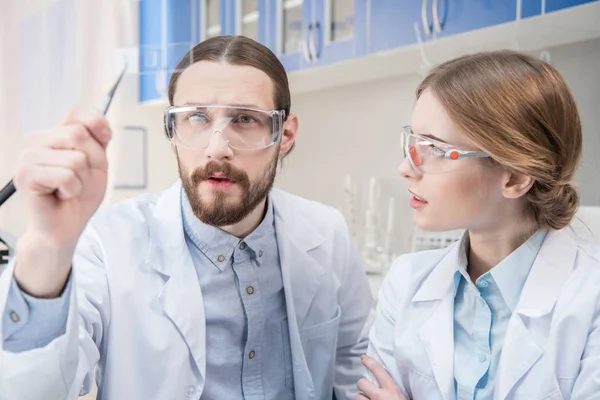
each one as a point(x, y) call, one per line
point(248, 352)
point(481, 314)
point(31, 323)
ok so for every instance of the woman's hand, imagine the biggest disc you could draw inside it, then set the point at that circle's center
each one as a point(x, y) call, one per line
point(388, 389)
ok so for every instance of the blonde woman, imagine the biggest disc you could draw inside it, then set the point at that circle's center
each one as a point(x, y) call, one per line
point(512, 310)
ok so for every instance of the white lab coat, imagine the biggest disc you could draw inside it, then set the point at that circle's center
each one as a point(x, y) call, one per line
point(139, 314)
point(552, 345)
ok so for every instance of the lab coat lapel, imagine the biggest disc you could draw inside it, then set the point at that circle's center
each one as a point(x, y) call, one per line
point(296, 237)
point(302, 276)
point(550, 270)
point(180, 296)
point(437, 333)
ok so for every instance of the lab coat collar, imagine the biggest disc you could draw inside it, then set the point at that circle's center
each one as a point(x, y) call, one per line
point(296, 237)
point(550, 271)
point(551, 268)
point(440, 281)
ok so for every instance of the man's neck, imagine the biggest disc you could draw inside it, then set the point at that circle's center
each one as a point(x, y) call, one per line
point(248, 224)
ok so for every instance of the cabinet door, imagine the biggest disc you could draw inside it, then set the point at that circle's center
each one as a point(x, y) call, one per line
point(249, 18)
point(150, 47)
point(289, 24)
point(338, 31)
point(391, 23)
point(555, 5)
point(166, 30)
point(450, 17)
point(214, 19)
point(530, 8)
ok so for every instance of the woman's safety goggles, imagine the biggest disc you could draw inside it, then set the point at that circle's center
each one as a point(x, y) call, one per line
point(432, 156)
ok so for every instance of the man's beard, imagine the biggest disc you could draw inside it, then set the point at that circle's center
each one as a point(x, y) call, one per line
point(222, 211)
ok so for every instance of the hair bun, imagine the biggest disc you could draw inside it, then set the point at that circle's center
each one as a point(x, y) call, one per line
point(554, 207)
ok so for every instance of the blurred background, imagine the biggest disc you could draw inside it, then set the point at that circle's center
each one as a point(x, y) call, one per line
point(353, 67)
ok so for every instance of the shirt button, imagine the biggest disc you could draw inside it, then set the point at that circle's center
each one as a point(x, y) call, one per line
point(242, 246)
point(221, 258)
point(482, 358)
point(14, 317)
point(483, 284)
point(250, 290)
point(189, 392)
point(251, 354)
point(260, 253)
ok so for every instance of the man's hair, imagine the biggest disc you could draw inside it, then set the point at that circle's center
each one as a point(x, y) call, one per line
point(238, 50)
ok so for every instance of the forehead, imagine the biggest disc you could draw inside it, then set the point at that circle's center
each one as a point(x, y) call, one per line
point(430, 117)
point(211, 82)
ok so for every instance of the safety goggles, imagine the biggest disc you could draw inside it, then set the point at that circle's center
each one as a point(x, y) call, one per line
point(433, 156)
point(242, 128)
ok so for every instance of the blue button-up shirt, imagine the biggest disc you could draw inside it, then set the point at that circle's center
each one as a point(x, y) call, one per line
point(247, 340)
point(481, 314)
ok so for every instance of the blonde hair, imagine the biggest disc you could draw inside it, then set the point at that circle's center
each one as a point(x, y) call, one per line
point(520, 111)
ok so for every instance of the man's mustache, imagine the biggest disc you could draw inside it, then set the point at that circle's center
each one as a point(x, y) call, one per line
point(227, 170)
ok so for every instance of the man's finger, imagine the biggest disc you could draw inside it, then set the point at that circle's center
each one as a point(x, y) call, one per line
point(361, 396)
point(71, 159)
point(76, 137)
point(46, 180)
point(93, 120)
point(383, 378)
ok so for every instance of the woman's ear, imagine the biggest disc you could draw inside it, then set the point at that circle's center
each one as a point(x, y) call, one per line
point(516, 184)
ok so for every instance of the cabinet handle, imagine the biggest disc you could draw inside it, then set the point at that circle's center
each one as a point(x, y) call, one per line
point(424, 19)
point(305, 50)
point(437, 26)
point(313, 46)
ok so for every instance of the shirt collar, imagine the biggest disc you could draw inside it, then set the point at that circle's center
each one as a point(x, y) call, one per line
point(462, 261)
point(511, 273)
point(217, 245)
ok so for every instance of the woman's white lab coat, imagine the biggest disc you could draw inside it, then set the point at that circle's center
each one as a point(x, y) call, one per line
point(552, 345)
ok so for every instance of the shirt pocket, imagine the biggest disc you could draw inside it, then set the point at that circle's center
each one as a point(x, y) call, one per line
point(287, 354)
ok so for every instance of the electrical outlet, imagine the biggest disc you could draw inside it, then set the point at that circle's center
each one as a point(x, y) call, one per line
point(129, 55)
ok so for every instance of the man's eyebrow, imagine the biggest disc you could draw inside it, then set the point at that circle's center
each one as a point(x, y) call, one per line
point(189, 103)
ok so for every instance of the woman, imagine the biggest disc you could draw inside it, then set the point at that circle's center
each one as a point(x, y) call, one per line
point(512, 310)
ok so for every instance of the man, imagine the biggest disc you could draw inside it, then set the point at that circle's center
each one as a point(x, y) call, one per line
point(218, 288)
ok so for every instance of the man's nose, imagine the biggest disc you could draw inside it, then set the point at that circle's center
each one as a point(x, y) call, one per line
point(218, 147)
